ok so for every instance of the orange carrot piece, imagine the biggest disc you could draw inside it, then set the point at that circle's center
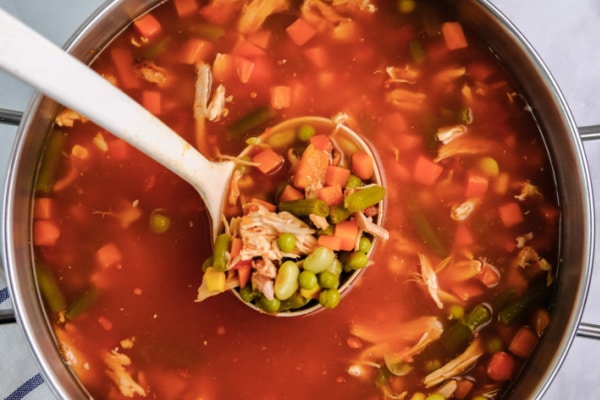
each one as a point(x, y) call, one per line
point(236, 247)
point(332, 195)
point(45, 232)
point(186, 8)
point(281, 97)
point(300, 31)
point(244, 68)
point(523, 342)
point(362, 165)
point(290, 193)
point(43, 208)
point(336, 175)
point(463, 236)
point(223, 66)
point(311, 168)
point(476, 186)
point(348, 232)
point(246, 48)
point(454, 36)
point(501, 366)
point(268, 160)
point(331, 242)
point(147, 26)
point(118, 149)
point(194, 50)
point(122, 59)
point(540, 320)
point(463, 388)
point(151, 101)
point(426, 171)
point(318, 56)
point(321, 142)
point(510, 214)
point(108, 255)
point(269, 206)
point(260, 39)
point(243, 269)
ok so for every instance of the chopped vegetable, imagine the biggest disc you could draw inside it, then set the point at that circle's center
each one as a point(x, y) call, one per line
point(147, 26)
point(362, 165)
point(300, 31)
point(453, 35)
point(45, 233)
point(510, 214)
point(267, 161)
point(501, 366)
point(426, 171)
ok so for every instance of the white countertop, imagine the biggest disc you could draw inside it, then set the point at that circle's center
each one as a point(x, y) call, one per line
point(565, 34)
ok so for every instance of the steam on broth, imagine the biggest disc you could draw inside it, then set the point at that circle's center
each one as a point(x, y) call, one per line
point(456, 298)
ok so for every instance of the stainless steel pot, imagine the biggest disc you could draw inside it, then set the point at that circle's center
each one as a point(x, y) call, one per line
point(549, 108)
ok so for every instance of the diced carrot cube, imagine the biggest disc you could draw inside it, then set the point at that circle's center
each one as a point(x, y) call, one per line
point(321, 142)
point(362, 165)
point(118, 149)
point(336, 175)
point(510, 214)
point(463, 388)
point(269, 206)
point(244, 68)
point(331, 242)
point(223, 66)
point(151, 101)
point(476, 186)
point(281, 97)
point(43, 208)
point(348, 232)
point(426, 171)
point(194, 50)
point(501, 366)
point(236, 247)
point(523, 342)
point(332, 195)
point(454, 36)
point(108, 256)
point(311, 168)
point(318, 56)
point(245, 48)
point(45, 232)
point(300, 31)
point(147, 26)
point(260, 38)
point(122, 59)
point(268, 160)
point(290, 193)
point(186, 8)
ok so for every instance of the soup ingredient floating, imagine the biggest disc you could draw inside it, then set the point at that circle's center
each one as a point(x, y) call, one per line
point(296, 249)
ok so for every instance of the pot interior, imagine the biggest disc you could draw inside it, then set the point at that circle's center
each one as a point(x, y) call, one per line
point(525, 68)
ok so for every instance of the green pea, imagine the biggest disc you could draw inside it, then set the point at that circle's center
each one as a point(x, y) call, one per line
point(270, 306)
point(328, 280)
point(494, 345)
point(248, 294)
point(336, 267)
point(286, 281)
point(364, 244)
point(319, 260)
point(356, 260)
point(308, 280)
point(305, 132)
point(330, 298)
point(456, 311)
point(353, 182)
point(159, 222)
point(488, 166)
point(286, 242)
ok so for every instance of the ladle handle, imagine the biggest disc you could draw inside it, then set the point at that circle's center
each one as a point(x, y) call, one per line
point(32, 58)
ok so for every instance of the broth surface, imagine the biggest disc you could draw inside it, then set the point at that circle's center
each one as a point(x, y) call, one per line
point(480, 210)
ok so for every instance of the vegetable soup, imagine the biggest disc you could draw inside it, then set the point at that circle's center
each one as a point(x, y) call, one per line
point(452, 303)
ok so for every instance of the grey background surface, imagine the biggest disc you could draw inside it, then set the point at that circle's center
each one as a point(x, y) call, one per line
point(564, 33)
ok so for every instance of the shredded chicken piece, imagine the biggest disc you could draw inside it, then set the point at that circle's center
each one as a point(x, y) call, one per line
point(406, 100)
point(523, 239)
point(528, 257)
point(234, 187)
point(461, 212)
point(406, 74)
point(117, 364)
point(450, 74)
point(321, 15)
point(216, 108)
point(457, 365)
point(206, 107)
point(447, 389)
point(465, 145)
point(67, 118)
point(255, 12)
point(447, 134)
point(319, 221)
point(429, 278)
point(264, 284)
point(367, 225)
point(528, 190)
point(149, 71)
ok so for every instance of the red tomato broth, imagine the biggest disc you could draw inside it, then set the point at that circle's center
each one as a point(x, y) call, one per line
point(219, 348)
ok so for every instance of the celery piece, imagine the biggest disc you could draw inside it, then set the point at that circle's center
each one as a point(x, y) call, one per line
point(251, 120)
point(222, 244)
point(49, 165)
point(364, 197)
point(48, 286)
point(338, 214)
point(206, 31)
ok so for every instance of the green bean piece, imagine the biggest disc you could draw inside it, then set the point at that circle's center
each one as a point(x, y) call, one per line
point(308, 280)
point(456, 339)
point(305, 207)
point(319, 260)
point(416, 51)
point(293, 303)
point(207, 263)
point(355, 260)
point(479, 316)
point(534, 297)
point(159, 221)
point(50, 290)
point(154, 50)
point(364, 197)
point(338, 214)
point(305, 132)
point(207, 31)
point(222, 244)
point(330, 298)
point(364, 244)
point(83, 303)
point(248, 294)
point(286, 281)
point(270, 306)
point(252, 120)
point(354, 182)
point(328, 280)
point(48, 168)
point(286, 242)
point(425, 230)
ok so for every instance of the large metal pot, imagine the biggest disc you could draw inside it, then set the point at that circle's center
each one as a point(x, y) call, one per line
point(526, 68)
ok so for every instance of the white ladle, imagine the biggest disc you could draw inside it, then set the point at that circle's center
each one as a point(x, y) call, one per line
point(35, 60)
